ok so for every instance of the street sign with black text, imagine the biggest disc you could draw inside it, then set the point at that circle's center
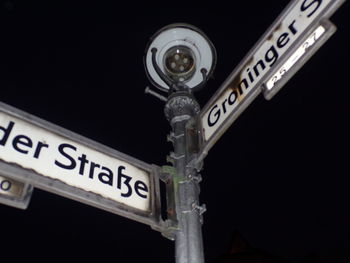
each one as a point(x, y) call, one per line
point(39, 153)
point(289, 42)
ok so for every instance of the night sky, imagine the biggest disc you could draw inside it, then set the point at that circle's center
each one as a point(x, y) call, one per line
point(279, 175)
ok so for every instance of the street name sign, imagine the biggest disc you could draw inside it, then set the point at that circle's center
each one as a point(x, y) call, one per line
point(46, 156)
point(290, 41)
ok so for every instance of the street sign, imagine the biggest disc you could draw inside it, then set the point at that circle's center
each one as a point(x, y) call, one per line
point(14, 193)
point(291, 40)
point(49, 157)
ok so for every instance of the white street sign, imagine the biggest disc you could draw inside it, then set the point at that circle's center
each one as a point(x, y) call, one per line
point(291, 40)
point(54, 159)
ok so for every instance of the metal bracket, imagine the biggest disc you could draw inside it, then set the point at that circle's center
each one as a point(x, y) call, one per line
point(15, 193)
point(170, 229)
point(168, 173)
point(201, 209)
point(169, 159)
point(194, 137)
point(194, 164)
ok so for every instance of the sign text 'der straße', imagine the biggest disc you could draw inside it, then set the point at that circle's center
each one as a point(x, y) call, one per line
point(59, 158)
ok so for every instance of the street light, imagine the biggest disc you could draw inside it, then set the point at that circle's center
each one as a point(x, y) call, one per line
point(179, 57)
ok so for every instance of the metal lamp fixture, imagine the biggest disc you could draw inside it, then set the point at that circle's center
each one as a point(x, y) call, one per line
point(180, 59)
point(179, 56)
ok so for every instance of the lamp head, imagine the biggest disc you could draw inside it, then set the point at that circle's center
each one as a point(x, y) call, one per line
point(179, 55)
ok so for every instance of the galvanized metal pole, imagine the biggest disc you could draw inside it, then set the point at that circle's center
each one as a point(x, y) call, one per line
point(180, 108)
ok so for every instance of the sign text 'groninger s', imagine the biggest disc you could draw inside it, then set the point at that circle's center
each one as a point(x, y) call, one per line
point(299, 22)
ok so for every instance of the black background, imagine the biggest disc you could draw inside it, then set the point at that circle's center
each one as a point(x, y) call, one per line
point(279, 175)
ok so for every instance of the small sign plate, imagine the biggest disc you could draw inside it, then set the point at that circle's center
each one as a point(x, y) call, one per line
point(14, 193)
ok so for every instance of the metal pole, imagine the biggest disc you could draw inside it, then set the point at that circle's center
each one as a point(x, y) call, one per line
point(179, 109)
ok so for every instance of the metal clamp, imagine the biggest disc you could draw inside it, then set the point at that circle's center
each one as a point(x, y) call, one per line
point(195, 207)
point(172, 137)
point(195, 164)
point(173, 157)
point(201, 209)
point(195, 178)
